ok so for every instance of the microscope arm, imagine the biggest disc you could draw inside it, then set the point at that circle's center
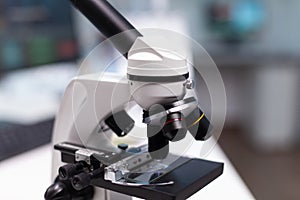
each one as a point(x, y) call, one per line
point(76, 118)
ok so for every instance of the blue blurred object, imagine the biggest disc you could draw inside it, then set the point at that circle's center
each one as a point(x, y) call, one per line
point(12, 55)
point(247, 16)
point(234, 22)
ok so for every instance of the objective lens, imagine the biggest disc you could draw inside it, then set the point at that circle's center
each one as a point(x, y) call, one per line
point(174, 128)
point(198, 125)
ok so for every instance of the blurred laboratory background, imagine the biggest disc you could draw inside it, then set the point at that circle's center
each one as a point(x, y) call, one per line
point(254, 43)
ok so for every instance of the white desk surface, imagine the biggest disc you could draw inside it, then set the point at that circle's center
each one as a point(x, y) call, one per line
point(27, 176)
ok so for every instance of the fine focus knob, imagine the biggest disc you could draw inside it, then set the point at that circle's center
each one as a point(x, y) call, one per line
point(69, 170)
point(81, 181)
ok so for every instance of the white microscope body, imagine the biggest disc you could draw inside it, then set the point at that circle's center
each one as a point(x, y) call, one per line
point(94, 114)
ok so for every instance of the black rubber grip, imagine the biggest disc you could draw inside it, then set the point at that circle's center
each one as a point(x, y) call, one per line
point(109, 22)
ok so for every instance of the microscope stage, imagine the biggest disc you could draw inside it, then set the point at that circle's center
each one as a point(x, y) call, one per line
point(190, 177)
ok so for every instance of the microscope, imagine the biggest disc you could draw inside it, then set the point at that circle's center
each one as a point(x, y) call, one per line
point(90, 159)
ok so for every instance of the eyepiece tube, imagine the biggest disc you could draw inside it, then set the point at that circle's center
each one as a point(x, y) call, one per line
point(109, 22)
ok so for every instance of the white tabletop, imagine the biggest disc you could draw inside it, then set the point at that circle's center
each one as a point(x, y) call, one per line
point(28, 175)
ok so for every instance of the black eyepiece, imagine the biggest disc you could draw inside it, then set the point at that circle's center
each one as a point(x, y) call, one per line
point(109, 22)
